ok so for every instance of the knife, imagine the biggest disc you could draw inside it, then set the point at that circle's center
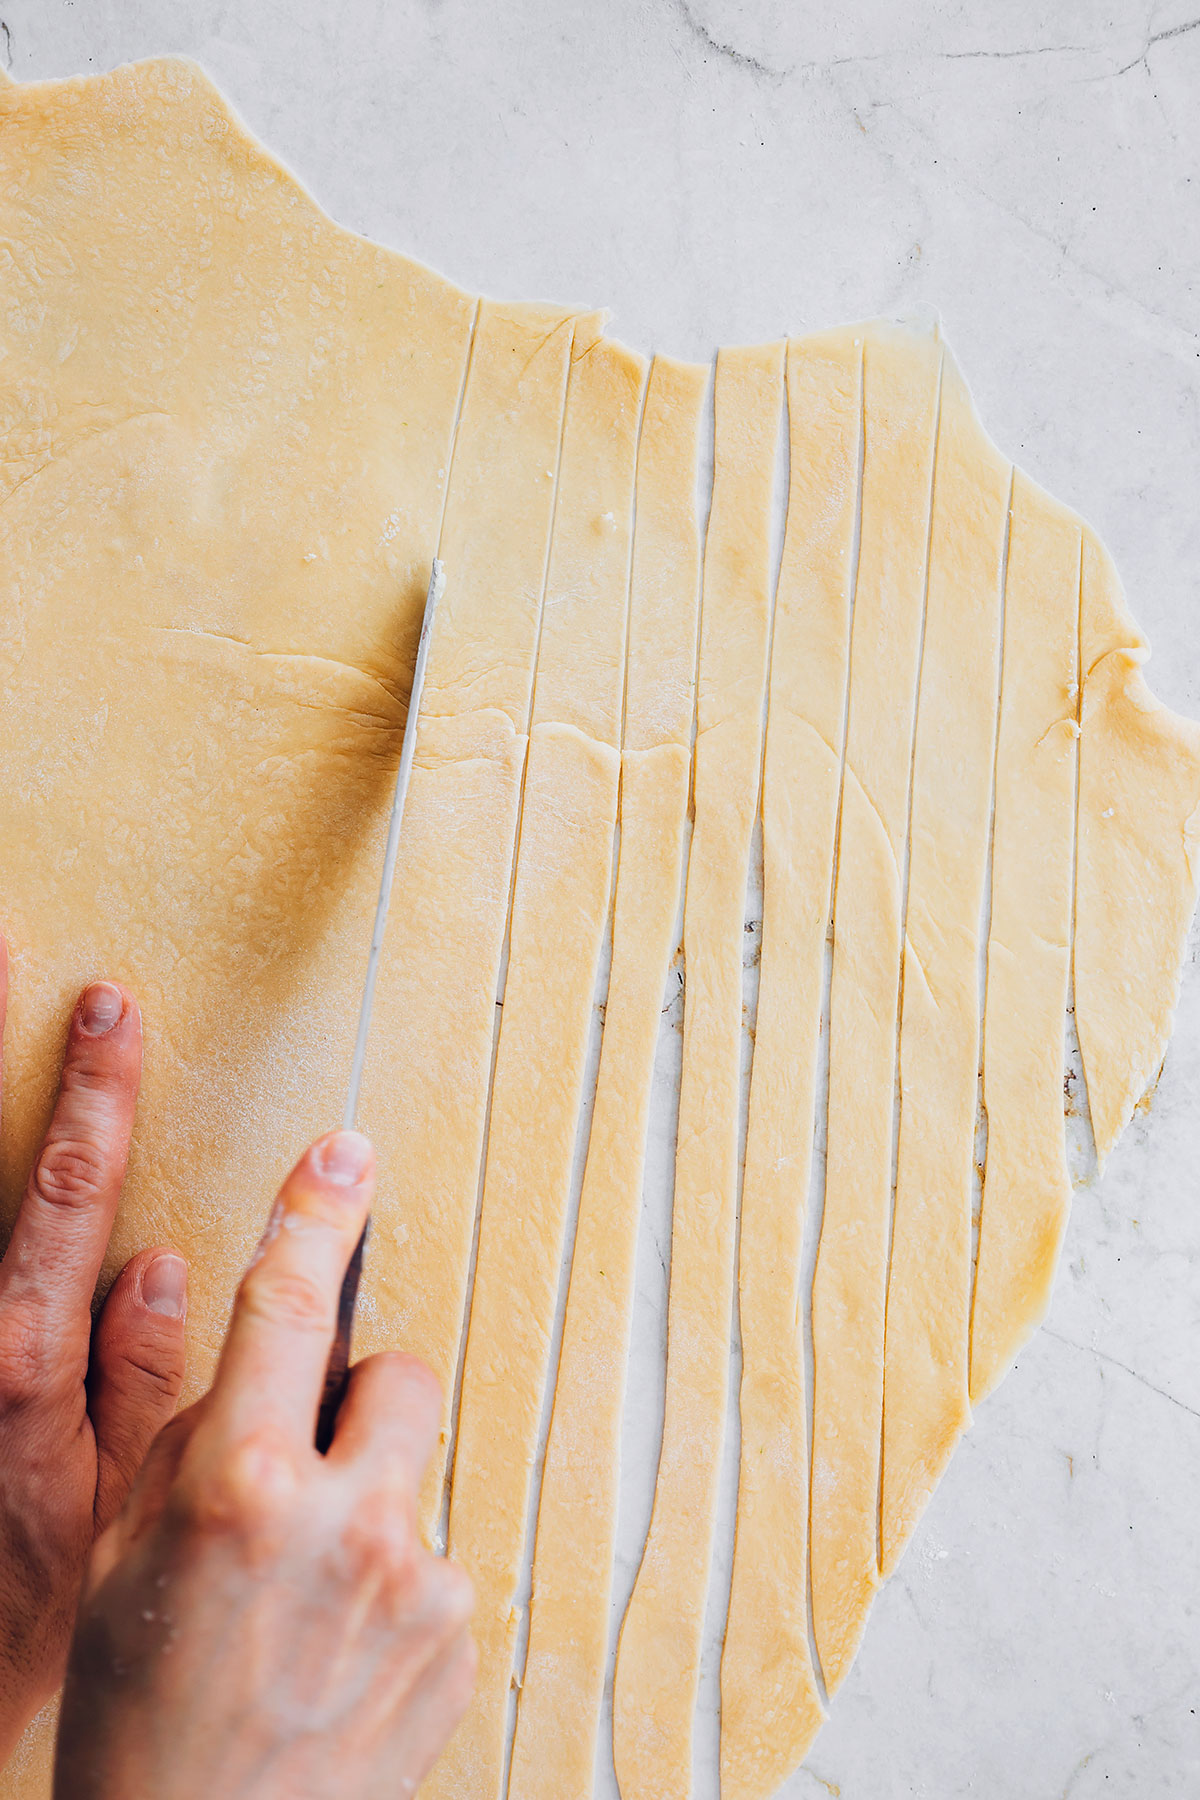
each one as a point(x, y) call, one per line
point(339, 1355)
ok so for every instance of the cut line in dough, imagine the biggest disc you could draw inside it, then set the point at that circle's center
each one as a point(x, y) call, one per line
point(658, 1657)
point(770, 1707)
point(1026, 1184)
point(900, 403)
point(229, 445)
point(450, 905)
point(925, 1404)
point(558, 1717)
point(560, 907)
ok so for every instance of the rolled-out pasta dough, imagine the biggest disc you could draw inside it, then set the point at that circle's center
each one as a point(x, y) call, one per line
point(558, 1717)
point(560, 901)
point(658, 1660)
point(770, 1707)
point(900, 395)
point(232, 436)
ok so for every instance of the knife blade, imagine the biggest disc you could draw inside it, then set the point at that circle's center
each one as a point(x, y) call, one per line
point(339, 1355)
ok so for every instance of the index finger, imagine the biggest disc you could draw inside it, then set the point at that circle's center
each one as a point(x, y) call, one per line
point(62, 1228)
point(273, 1364)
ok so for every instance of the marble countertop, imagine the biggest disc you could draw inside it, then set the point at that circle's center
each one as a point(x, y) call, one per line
point(725, 170)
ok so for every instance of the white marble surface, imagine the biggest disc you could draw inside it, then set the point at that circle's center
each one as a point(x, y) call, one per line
point(717, 170)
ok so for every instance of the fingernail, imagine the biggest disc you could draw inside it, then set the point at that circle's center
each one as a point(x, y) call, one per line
point(100, 1008)
point(164, 1286)
point(343, 1158)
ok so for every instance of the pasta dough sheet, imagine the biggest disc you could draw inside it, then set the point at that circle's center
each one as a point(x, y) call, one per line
point(900, 397)
point(925, 1405)
point(449, 909)
point(1026, 1185)
point(558, 1717)
point(658, 1660)
point(560, 903)
point(232, 437)
point(770, 1707)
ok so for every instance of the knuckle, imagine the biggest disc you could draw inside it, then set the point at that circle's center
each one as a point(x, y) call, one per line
point(21, 1360)
point(157, 1370)
point(245, 1493)
point(84, 1079)
point(288, 1298)
point(383, 1540)
point(70, 1172)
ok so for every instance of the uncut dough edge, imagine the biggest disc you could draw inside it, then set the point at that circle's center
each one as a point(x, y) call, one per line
point(1139, 821)
point(559, 1703)
point(900, 390)
point(658, 1654)
point(560, 908)
point(770, 1706)
point(926, 1344)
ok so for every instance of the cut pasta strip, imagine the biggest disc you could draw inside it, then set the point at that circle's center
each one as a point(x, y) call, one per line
point(658, 1659)
point(900, 390)
point(560, 905)
point(450, 906)
point(1026, 1186)
point(925, 1404)
point(1137, 873)
point(770, 1708)
point(558, 1717)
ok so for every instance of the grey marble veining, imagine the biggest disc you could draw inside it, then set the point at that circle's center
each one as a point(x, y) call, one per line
point(724, 170)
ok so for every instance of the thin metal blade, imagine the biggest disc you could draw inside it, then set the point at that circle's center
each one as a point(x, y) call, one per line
point(339, 1356)
point(437, 586)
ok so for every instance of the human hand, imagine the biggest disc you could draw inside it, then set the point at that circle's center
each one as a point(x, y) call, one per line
point(262, 1622)
point(79, 1407)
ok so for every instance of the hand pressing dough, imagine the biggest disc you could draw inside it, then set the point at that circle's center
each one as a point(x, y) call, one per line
point(560, 906)
point(1026, 1185)
point(226, 429)
point(770, 1709)
point(925, 1405)
point(900, 394)
point(558, 1716)
point(658, 1660)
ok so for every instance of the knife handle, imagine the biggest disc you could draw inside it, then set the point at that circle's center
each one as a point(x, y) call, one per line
point(338, 1367)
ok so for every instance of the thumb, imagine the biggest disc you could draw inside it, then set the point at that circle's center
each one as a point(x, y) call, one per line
point(136, 1370)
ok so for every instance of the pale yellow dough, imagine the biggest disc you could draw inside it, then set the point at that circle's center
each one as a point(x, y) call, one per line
point(925, 1405)
point(450, 902)
point(770, 1709)
point(226, 428)
point(1026, 1186)
point(232, 437)
point(900, 391)
point(1138, 863)
point(560, 903)
point(558, 1717)
point(658, 1660)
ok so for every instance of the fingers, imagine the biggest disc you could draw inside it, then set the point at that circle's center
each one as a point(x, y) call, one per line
point(434, 1707)
point(390, 1417)
point(150, 1492)
point(273, 1364)
point(62, 1228)
point(136, 1370)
